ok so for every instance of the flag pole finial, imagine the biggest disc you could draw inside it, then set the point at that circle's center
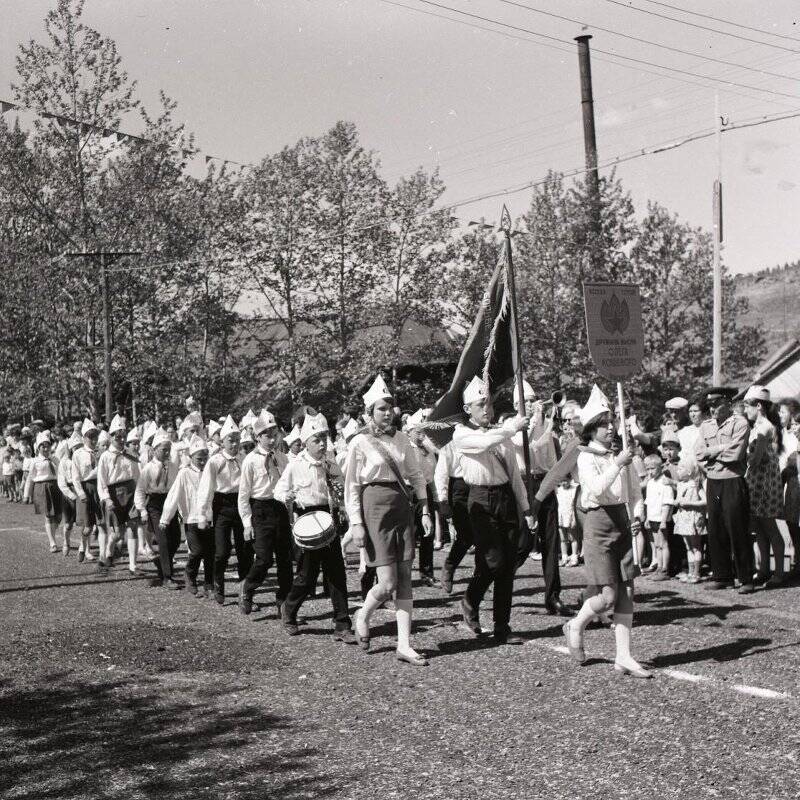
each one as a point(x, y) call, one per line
point(505, 220)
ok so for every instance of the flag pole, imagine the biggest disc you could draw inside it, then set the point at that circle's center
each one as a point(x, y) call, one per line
point(505, 226)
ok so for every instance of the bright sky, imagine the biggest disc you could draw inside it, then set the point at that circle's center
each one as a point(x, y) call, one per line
point(494, 111)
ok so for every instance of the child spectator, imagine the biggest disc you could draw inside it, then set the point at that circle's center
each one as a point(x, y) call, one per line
point(658, 500)
point(8, 476)
point(565, 494)
point(690, 519)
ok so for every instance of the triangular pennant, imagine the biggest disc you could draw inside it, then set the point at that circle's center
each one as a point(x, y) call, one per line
point(4, 106)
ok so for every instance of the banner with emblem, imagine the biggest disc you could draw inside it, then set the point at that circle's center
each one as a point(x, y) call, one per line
point(614, 328)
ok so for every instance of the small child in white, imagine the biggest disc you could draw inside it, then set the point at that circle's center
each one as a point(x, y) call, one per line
point(565, 494)
point(658, 501)
point(690, 519)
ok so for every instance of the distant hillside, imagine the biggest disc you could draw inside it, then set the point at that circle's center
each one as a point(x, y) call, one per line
point(774, 296)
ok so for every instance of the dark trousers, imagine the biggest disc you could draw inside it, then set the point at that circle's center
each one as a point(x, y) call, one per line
point(495, 526)
point(225, 511)
point(729, 544)
point(169, 541)
point(458, 497)
point(330, 560)
point(202, 547)
point(425, 543)
point(272, 542)
point(549, 545)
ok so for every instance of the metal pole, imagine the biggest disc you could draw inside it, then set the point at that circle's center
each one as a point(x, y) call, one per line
point(106, 335)
point(512, 291)
point(590, 147)
point(716, 358)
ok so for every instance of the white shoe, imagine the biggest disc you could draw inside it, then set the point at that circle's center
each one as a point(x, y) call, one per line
point(89, 556)
point(536, 556)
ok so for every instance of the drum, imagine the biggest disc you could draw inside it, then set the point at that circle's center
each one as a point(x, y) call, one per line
point(314, 530)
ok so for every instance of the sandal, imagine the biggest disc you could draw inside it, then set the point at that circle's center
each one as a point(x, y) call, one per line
point(53, 548)
point(363, 641)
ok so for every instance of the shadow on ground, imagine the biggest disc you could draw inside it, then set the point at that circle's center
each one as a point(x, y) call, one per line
point(144, 739)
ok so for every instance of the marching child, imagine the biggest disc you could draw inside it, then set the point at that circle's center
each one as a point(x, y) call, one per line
point(183, 499)
point(690, 520)
point(306, 485)
point(8, 476)
point(68, 496)
point(659, 497)
point(27, 463)
point(41, 486)
point(565, 494)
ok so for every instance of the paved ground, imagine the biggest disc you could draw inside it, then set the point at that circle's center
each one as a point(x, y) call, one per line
point(112, 689)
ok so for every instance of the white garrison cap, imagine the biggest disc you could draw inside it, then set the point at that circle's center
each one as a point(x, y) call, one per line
point(213, 427)
point(246, 437)
point(527, 391)
point(160, 437)
point(41, 438)
point(248, 419)
point(476, 391)
point(196, 444)
point(133, 435)
point(117, 424)
point(76, 440)
point(350, 430)
point(264, 421)
point(312, 426)
point(378, 391)
point(149, 430)
point(596, 405)
point(294, 434)
point(229, 427)
point(103, 438)
point(87, 426)
point(676, 403)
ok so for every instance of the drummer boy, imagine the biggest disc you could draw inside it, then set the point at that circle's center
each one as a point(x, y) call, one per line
point(306, 486)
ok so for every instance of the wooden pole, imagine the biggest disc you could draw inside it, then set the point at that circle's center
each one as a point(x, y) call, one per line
point(626, 470)
point(505, 225)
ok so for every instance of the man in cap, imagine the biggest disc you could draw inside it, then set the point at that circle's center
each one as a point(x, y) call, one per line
point(497, 498)
point(721, 450)
point(308, 485)
point(217, 497)
point(264, 517)
point(544, 450)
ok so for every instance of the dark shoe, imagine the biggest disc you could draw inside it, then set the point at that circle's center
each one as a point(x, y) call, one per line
point(759, 580)
point(204, 590)
point(168, 583)
point(219, 597)
point(345, 636)
point(717, 586)
point(191, 587)
point(289, 625)
point(470, 618)
point(155, 583)
point(558, 609)
point(746, 588)
point(775, 582)
point(102, 566)
point(506, 637)
point(429, 580)
point(81, 556)
point(446, 579)
point(245, 602)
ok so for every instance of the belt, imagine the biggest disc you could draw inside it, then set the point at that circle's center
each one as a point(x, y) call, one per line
point(383, 483)
point(488, 485)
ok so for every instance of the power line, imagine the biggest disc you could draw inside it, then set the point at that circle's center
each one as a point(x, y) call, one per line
point(701, 27)
point(724, 21)
point(647, 41)
point(612, 54)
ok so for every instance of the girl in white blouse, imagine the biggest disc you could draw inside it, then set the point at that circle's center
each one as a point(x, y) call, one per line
point(41, 486)
point(381, 514)
point(609, 493)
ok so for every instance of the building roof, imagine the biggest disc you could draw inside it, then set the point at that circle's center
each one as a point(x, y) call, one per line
point(780, 373)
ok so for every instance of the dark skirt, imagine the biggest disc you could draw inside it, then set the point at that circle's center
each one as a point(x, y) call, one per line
point(47, 499)
point(608, 546)
point(122, 510)
point(389, 521)
point(88, 511)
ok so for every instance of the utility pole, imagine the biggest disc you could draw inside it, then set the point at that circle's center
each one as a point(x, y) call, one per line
point(104, 259)
point(590, 148)
point(716, 350)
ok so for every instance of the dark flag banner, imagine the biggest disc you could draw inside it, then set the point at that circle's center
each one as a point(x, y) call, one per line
point(488, 353)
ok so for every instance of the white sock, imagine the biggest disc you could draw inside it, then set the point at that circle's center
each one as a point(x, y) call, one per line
point(622, 634)
point(403, 615)
point(374, 599)
point(132, 553)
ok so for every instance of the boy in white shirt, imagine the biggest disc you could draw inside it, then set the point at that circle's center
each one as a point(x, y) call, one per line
point(659, 499)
